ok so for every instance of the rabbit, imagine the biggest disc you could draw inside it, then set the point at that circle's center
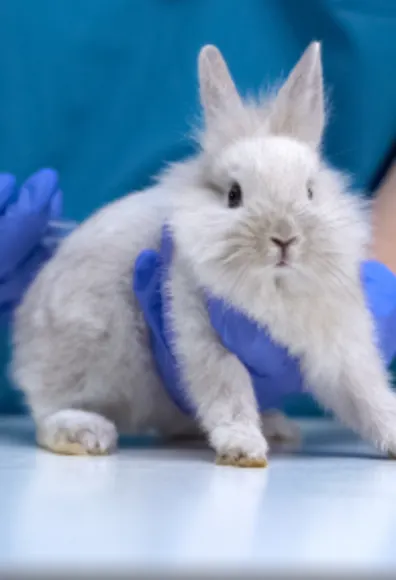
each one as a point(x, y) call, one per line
point(259, 219)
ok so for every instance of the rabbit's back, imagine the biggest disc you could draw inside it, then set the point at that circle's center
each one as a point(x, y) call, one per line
point(79, 337)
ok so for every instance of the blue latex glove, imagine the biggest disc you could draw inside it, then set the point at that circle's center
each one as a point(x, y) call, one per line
point(25, 217)
point(274, 373)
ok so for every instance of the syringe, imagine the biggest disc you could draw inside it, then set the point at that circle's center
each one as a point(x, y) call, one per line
point(57, 231)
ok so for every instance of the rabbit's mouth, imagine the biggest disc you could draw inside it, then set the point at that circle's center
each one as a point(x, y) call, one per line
point(283, 267)
point(281, 264)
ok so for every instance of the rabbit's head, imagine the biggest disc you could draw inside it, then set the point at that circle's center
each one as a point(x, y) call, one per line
point(258, 208)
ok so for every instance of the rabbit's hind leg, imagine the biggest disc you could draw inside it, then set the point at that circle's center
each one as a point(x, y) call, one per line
point(279, 428)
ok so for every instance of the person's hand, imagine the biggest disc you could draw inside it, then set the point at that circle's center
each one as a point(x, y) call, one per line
point(379, 285)
point(274, 372)
point(25, 217)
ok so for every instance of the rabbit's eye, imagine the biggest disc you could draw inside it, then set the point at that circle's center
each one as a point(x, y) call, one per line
point(310, 191)
point(235, 195)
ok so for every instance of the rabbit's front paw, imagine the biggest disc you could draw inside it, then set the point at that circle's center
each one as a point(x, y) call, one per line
point(239, 445)
point(388, 445)
point(74, 432)
point(384, 437)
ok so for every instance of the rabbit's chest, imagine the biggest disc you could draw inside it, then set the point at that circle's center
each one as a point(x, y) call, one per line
point(303, 326)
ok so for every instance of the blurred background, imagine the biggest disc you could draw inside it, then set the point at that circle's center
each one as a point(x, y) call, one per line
point(105, 91)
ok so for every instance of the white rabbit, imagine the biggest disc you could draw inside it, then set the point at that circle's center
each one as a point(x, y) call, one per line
point(258, 219)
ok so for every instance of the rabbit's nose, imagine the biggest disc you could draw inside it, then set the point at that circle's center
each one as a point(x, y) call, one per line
point(284, 244)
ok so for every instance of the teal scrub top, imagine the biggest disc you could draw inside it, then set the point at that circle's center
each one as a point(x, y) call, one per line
point(105, 91)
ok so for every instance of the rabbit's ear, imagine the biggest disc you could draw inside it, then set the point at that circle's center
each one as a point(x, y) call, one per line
point(217, 89)
point(298, 110)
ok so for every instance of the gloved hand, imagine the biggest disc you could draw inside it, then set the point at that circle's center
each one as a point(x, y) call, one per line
point(24, 221)
point(274, 373)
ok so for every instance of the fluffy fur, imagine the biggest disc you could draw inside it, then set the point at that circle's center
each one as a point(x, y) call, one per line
point(81, 351)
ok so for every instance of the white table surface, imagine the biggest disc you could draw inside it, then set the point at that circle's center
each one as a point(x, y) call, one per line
point(329, 507)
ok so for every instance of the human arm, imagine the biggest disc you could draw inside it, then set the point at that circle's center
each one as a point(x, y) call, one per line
point(384, 220)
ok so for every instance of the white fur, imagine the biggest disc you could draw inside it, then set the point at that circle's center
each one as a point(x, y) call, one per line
point(80, 339)
point(72, 431)
point(277, 427)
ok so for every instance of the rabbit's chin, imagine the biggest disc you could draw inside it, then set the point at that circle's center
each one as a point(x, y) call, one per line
point(278, 286)
point(285, 276)
point(283, 268)
point(250, 289)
